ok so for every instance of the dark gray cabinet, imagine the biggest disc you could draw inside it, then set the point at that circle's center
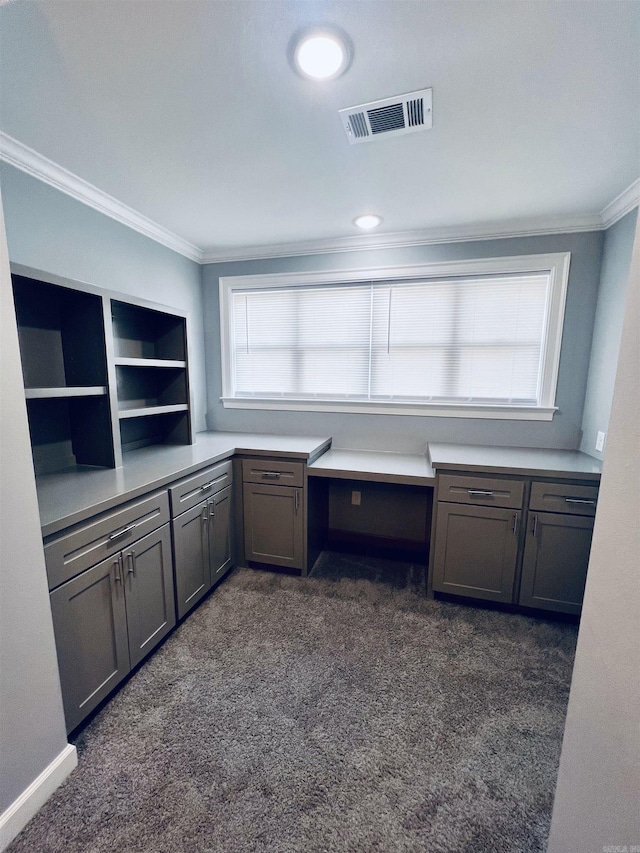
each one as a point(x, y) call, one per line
point(513, 540)
point(476, 551)
point(274, 512)
point(202, 539)
point(557, 545)
point(108, 618)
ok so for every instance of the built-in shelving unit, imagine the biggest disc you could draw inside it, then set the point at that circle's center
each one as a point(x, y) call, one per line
point(64, 364)
point(102, 374)
point(150, 359)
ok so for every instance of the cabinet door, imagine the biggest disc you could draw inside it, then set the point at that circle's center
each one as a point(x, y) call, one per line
point(90, 623)
point(555, 563)
point(151, 609)
point(476, 551)
point(274, 525)
point(220, 533)
point(191, 549)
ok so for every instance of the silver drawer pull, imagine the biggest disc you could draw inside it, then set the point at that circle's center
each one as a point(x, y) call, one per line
point(588, 501)
point(482, 492)
point(271, 475)
point(211, 483)
point(122, 532)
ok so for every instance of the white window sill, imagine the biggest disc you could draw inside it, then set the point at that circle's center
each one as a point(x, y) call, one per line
point(430, 410)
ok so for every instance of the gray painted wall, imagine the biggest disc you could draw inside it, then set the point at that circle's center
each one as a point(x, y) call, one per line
point(597, 802)
point(410, 433)
point(32, 729)
point(616, 257)
point(50, 231)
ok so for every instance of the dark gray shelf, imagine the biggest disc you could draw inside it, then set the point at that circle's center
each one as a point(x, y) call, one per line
point(147, 411)
point(148, 362)
point(70, 391)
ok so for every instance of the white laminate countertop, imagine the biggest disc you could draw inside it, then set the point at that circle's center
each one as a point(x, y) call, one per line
point(67, 498)
point(528, 461)
point(381, 467)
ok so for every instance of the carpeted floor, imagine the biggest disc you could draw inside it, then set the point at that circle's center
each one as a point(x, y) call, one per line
point(292, 715)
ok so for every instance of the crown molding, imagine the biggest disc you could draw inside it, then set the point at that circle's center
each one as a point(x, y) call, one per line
point(27, 160)
point(455, 234)
point(17, 154)
point(621, 205)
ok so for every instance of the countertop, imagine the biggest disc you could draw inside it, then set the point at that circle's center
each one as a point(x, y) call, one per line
point(525, 461)
point(67, 498)
point(380, 467)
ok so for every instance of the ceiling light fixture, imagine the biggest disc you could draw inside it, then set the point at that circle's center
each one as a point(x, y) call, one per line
point(368, 221)
point(321, 53)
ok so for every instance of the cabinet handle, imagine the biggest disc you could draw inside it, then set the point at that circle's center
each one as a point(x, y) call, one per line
point(515, 524)
point(297, 500)
point(204, 515)
point(481, 492)
point(118, 569)
point(131, 561)
point(271, 475)
point(534, 525)
point(122, 532)
point(212, 509)
point(211, 483)
point(587, 501)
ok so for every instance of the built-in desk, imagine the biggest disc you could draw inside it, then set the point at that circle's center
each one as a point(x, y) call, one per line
point(374, 466)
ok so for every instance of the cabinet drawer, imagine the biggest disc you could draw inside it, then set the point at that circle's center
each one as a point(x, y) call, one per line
point(190, 491)
point(480, 491)
point(563, 497)
point(273, 471)
point(104, 535)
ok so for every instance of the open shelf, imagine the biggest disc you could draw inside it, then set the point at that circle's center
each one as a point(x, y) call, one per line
point(140, 332)
point(166, 427)
point(74, 391)
point(148, 362)
point(148, 411)
point(69, 432)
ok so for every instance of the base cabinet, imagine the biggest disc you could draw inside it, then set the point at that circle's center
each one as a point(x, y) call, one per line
point(108, 618)
point(517, 541)
point(203, 538)
point(556, 556)
point(476, 551)
point(273, 525)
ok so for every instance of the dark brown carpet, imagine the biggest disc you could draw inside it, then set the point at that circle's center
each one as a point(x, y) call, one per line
point(291, 714)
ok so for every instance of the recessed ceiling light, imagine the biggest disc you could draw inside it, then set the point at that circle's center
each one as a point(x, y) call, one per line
point(367, 221)
point(321, 53)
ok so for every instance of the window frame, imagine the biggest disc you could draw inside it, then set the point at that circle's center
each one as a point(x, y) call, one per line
point(555, 264)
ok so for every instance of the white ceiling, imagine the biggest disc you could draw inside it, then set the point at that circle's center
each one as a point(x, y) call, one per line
point(188, 111)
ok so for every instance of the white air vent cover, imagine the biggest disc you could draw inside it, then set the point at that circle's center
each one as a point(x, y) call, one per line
point(389, 117)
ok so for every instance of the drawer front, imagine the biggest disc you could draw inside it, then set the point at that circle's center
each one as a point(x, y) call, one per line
point(563, 497)
point(273, 471)
point(480, 491)
point(190, 491)
point(105, 535)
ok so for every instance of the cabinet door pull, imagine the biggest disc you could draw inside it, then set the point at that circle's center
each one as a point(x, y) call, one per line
point(514, 528)
point(271, 475)
point(118, 569)
point(131, 562)
point(482, 492)
point(534, 525)
point(587, 501)
point(122, 532)
point(204, 515)
point(297, 500)
point(212, 509)
point(210, 483)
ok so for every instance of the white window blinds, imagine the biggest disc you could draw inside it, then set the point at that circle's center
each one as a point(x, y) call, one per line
point(475, 340)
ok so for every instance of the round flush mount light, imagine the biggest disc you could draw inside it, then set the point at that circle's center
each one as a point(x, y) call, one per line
point(368, 221)
point(320, 53)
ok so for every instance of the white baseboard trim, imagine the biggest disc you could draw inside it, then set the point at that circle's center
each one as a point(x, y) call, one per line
point(31, 800)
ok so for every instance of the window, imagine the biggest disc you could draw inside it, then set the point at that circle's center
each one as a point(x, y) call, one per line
point(472, 338)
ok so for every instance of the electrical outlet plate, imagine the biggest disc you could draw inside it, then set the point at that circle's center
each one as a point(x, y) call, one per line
point(600, 441)
point(356, 497)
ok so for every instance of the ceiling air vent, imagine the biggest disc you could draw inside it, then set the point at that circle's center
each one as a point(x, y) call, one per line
point(388, 117)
